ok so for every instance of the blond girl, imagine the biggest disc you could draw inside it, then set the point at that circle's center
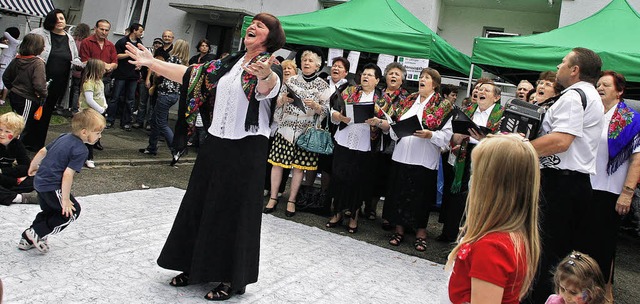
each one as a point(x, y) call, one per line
point(499, 248)
point(92, 96)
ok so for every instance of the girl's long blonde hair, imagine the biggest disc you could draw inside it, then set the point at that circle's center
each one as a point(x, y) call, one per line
point(503, 197)
point(181, 50)
point(93, 70)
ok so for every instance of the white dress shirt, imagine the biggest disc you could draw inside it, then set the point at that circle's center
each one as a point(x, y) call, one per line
point(355, 136)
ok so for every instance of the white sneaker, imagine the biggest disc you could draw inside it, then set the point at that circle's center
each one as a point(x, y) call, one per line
point(25, 245)
point(90, 164)
point(32, 238)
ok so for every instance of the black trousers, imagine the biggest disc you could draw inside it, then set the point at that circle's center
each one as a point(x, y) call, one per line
point(8, 194)
point(50, 220)
point(564, 201)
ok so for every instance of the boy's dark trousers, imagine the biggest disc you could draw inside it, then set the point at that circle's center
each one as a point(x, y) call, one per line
point(50, 220)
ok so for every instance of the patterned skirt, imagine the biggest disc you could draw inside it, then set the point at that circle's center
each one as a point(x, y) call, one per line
point(288, 155)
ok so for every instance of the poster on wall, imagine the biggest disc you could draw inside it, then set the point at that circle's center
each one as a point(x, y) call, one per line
point(384, 60)
point(333, 53)
point(354, 58)
point(413, 66)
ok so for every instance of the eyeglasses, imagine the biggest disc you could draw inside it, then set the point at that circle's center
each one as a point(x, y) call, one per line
point(368, 75)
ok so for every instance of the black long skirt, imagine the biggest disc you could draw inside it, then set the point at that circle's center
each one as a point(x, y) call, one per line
point(216, 234)
point(604, 223)
point(351, 179)
point(413, 190)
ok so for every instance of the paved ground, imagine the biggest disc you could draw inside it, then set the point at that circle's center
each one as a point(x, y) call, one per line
point(108, 256)
point(122, 168)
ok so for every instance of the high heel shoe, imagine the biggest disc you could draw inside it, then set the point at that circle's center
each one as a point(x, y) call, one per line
point(288, 213)
point(267, 210)
point(335, 224)
point(223, 292)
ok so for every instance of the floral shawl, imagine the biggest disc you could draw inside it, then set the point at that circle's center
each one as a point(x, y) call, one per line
point(623, 136)
point(493, 123)
point(201, 91)
point(385, 105)
point(435, 112)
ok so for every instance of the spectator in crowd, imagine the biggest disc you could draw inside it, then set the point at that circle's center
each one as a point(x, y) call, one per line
point(497, 256)
point(25, 78)
point(168, 93)
point(450, 92)
point(203, 47)
point(617, 171)
point(221, 201)
point(59, 53)
point(92, 96)
point(414, 170)
point(487, 112)
point(382, 144)
point(578, 279)
point(97, 46)
point(146, 100)
point(167, 39)
point(352, 178)
point(16, 187)
point(567, 147)
point(284, 152)
point(80, 32)
point(126, 78)
point(11, 34)
point(522, 89)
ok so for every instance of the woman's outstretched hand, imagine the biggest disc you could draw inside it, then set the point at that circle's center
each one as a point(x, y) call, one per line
point(260, 69)
point(140, 56)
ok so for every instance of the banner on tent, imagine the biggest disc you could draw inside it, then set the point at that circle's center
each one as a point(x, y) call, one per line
point(414, 66)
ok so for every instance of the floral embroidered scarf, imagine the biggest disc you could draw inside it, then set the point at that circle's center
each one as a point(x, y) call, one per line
point(493, 123)
point(202, 89)
point(623, 136)
point(385, 105)
point(435, 112)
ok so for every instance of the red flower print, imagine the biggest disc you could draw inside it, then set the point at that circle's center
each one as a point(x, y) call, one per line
point(464, 250)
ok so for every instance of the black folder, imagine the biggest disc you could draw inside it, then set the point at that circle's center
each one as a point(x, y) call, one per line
point(362, 112)
point(297, 101)
point(407, 127)
point(461, 124)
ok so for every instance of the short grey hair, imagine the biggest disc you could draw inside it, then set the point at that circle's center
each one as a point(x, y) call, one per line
point(315, 57)
point(396, 65)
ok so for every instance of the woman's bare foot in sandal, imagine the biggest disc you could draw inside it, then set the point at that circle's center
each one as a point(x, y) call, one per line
point(222, 292)
point(180, 280)
point(334, 221)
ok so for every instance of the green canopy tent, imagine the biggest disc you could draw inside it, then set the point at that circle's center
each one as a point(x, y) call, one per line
point(375, 26)
point(611, 32)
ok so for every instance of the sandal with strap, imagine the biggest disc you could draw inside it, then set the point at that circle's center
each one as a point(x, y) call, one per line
point(396, 239)
point(180, 280)
point(335, 224)
point(222, 292)
point(420, 244)
point(267, 210)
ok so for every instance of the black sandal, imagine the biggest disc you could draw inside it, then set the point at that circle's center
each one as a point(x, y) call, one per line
point(396, 239)
point(331, 224)
point(267, 210)
point(180, 280)
point(420, 244)
point(222, 292)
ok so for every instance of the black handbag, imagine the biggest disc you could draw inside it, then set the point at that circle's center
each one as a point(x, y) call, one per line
point(316, 139)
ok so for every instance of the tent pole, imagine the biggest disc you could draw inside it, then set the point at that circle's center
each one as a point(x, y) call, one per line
point(470, 79)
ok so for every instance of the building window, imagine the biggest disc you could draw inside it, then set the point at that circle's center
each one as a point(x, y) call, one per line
point(490, 32)
point(136, 11)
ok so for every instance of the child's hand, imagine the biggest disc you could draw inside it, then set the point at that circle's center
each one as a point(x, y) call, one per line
point(67, 207)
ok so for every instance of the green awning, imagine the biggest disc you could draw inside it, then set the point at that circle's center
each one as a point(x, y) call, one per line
point(375, 26)
point(611, 32)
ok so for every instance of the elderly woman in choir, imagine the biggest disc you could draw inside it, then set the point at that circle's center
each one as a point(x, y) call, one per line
point(415, 160)
point(294, 122)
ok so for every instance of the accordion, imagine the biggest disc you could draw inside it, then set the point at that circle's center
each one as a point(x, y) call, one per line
point(522, 117)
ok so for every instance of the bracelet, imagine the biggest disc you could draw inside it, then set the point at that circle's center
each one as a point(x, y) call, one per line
point(628, 189)
point(266, 78)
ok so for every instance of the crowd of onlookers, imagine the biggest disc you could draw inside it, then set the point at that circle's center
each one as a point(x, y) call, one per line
point(387, 142)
